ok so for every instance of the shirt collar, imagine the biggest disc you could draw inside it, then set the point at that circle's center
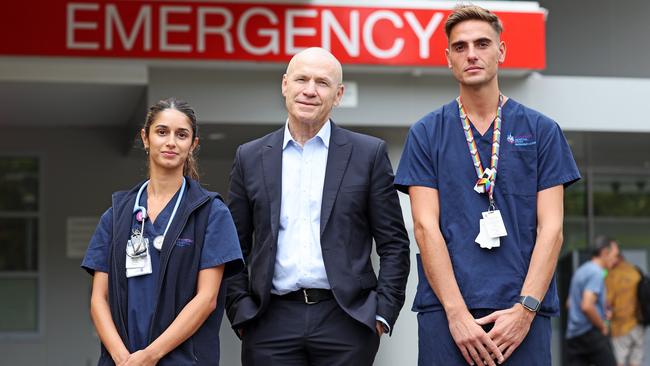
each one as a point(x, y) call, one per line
point(323, 134)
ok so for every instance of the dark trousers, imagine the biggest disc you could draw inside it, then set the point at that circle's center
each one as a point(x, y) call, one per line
point(437, 346)
point(591, 348)
point(294, 333)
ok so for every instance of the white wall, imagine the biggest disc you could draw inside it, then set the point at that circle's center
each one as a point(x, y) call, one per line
point(597, 38)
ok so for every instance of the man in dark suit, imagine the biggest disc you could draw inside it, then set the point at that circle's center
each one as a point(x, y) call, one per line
point(308, 200)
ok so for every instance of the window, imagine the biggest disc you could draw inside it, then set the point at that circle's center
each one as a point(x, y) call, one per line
point(622, 207)
point(613, 198)
point(575, 217)
point(19, 237)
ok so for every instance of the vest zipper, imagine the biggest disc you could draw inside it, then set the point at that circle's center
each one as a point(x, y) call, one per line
point(163, 268)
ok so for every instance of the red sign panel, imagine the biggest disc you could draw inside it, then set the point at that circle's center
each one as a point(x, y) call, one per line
point(261, 32)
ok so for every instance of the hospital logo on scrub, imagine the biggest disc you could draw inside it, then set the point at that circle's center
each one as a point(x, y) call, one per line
point(522, 140)
point(184, 242)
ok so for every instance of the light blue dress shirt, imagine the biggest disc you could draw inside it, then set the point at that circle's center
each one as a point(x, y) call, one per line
point(299, 259)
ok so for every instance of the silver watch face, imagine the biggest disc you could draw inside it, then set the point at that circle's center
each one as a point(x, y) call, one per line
point(530, 303)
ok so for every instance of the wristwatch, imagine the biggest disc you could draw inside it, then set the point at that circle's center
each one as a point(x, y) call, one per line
point(530, 303)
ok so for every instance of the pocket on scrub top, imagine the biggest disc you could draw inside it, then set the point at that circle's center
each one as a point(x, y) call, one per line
point(518, 172)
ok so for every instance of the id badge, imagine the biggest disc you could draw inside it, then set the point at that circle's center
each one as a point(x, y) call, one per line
point(494, 226)
point(139, 266)
point(484, 240)
point(139, 260)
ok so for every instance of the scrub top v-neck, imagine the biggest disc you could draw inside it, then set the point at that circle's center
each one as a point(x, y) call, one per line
point(141, 301)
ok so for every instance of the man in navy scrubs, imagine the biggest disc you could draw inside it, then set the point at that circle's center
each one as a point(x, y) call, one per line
point(486, 177)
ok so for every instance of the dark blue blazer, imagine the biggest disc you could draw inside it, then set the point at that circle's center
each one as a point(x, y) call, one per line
point(359, 204)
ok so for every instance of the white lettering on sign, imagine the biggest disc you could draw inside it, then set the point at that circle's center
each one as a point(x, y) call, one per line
point(142, 21)
point(72, 25)
point(166, 27)
point(424, 35)
point(291, 31)
point(369, 27)
point(274, 42)
point(223, 30)
point(256, 31)
point(329, 24)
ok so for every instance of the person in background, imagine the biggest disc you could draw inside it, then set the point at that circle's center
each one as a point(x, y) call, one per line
point(628, 335)
point(587, 330)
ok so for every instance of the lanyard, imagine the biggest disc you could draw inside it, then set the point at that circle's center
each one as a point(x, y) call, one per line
point(486, 181)
point(137, 207)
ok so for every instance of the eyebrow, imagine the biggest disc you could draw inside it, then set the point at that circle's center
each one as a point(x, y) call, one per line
point(478, 40)
point(167, 127)
point(316, 78)
point(458, 43)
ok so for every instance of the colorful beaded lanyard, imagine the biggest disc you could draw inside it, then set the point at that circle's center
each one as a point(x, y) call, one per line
point(485, 182)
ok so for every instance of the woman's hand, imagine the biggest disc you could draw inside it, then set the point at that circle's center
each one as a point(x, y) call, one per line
point(121, 357)
point(141, 358)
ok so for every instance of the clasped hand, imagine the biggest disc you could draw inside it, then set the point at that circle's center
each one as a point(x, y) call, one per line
point(478, 347)
point(139, 358)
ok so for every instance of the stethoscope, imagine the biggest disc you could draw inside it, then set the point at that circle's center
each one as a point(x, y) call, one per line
point(137, 246)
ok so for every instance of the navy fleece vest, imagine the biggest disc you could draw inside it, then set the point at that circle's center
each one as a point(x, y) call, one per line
point(177, 278)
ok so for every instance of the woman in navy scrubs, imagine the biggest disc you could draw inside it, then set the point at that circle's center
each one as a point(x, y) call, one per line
point(159, 254)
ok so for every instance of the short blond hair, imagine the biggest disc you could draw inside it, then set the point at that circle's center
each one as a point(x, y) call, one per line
point(472, 12)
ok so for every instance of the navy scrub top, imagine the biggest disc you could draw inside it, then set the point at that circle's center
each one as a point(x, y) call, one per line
point(221, 246)
point(534, 156)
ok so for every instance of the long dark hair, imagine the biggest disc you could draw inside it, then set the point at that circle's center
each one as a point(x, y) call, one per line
point(190, 168)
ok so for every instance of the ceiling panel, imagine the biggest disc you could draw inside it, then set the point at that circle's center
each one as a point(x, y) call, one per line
point(67, 104)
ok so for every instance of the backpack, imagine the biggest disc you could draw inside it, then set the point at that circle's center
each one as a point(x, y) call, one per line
point(643, 295)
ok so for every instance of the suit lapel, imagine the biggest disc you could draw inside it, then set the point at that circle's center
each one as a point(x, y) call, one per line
point(272, 171)
point(337, 161)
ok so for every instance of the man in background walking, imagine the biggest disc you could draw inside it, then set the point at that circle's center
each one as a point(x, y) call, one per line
point(587, 329)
